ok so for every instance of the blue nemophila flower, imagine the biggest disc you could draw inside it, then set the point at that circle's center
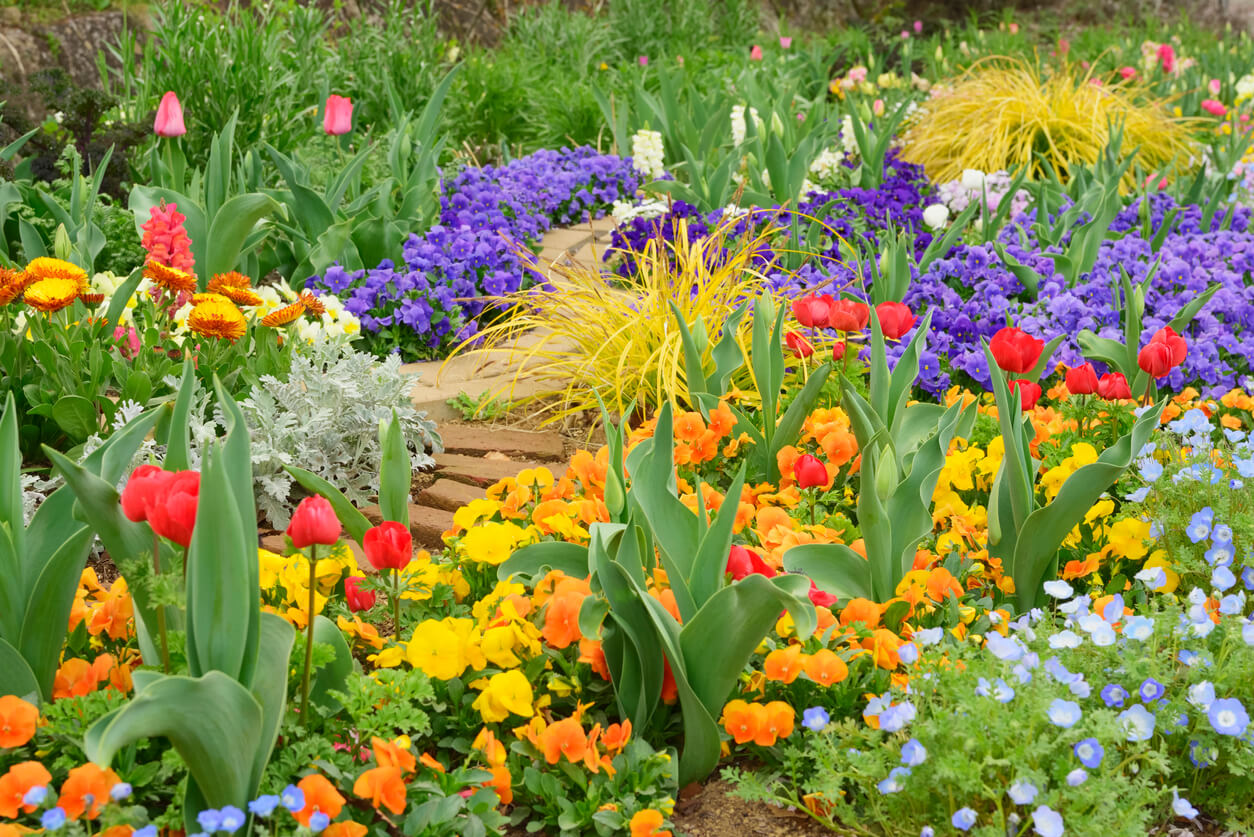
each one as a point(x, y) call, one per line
point(1247, 633)
point(963, 819)
point(1151, 690)
point(1222, 533)
point(146, 831)
point(1137, 722)
point(1198, 529)
point(232, 819)
point(210, 820)
point(908, 653)
point(999, 690)
point(1064, 713)
point(1077, 777)
point(1247, 577)
point(1182, 807)
point(292, 798)
point(53, 818)
point(1077, 606)
point(1047, 822)
point(1065, 639)
point(895, 717)
point(1137, 496)
point(1153, 578)
point(929, 636)
point(1009, 648)
point(1114, 695)
point(1220, 555)
point(927, 831)
point(1139, 628)
point(1022, 793)
point(1150, 470)
point(815, 718)
point(1113, 611)
point(35, 796)
point(1222, 579)
point(1059, 589)
point(120, 791)
point(264, 805)
point(1202, 695)
point(1202, 756)
point(1022, 673)
point(1228, 716)
point(318, 821)
point(894, 782)
point(1090, 752)
point(1232, 604)
point(913, 753)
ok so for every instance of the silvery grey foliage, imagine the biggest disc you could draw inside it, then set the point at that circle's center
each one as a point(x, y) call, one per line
point(325, 418)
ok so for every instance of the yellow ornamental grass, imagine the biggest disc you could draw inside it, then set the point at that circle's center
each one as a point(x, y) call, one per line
point(1002, 113)
point(588, 338)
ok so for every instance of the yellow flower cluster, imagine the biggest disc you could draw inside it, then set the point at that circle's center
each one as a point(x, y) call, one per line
point(285, 581)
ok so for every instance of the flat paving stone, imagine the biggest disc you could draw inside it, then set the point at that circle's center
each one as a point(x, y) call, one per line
point(475, 440)
point(479, 471)
point(449, 495)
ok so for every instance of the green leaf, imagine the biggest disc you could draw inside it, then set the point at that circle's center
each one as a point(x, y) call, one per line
point(76, 416)
point(16, 677)
point(123, 294)
point(178, 452)
point(395, 473)
point(533, 561)
point(231, 225)
point(332, 677)
point(213, 722)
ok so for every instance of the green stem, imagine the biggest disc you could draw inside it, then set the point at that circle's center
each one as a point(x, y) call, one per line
point(161, 629)
point(396, 604)
point(309, 630)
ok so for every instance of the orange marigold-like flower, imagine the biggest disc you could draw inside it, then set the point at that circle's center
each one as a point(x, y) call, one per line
point(17, 721)
point(15, 784)
point(286, 315)
point(12, 282)
point(170, 278)
point(313, 305)
point(46, 267)
point(52, 294)
point(86, 790)
point(217, 318)
point(92, 298)
point(320, 795)
point(236, 287)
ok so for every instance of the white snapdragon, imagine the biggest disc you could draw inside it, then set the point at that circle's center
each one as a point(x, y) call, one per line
point(647, 154)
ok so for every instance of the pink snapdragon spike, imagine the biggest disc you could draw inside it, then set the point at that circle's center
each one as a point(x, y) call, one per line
point(784, 42)
point(755, 53)
point(166, 239)
point(169, 121)
point(338, 118)
point(1167, 57)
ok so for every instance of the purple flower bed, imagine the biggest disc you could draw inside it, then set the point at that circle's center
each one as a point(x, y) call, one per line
point(427, 304)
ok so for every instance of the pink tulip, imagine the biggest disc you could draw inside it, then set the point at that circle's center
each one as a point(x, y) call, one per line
point(877, 107)
point(1064, 46)
point(784, 42)
point(1215, 86)
point(169, 121)
point(905, 36)
point(918, 27)
point(338, 118)
point(644, 61)
point(1214, 108)
point(1014, 29)
point(755, 53)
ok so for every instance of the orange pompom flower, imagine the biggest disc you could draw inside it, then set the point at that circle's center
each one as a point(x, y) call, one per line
point(86, 790)
point(12, 282)
point(313, 305)
point(17, 721)
point(15, 784)
point(286, 315)
point(52, 294)
point(216, 316)
point(46, 267)
point(320, 795)
point(383, 786)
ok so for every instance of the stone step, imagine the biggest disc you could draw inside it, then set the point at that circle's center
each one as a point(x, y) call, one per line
point(477, 440)
point(479, 471)
point(449, 495)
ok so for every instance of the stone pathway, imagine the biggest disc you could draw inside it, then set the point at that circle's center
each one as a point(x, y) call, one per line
point(480, 372)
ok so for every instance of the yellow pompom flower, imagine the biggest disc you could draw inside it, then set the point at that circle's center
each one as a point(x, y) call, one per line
point(505, 694)
point(217, 316)
point(52, 294)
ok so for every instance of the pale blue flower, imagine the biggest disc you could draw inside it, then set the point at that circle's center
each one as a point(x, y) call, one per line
point(1222, 533)
point(1077, 777)
point(35, 796)
point(1151, 690)
point(232, 819)
point(1090, 752)
point(210, 820)
point(893, 783)
point(913, 753)
point(963, 819)
point(929, 636)
point(1138, 627)
point(318, 821)
point(1065, 639)
point(1022, 793)
point(120, 791)
point(1064, 713)
point(1137, 722)
point(1047, 822)
point(1114, 695)
point(1202, 695)
point(1228, 716)
point(264, 805)
point(1009, 649)
point(146, 831)
point(1182, 807)
point(292, 798)
point(1222, 578)
point(53, 818)
point(1058, 589)
point(1153, 577)
point(908, 653)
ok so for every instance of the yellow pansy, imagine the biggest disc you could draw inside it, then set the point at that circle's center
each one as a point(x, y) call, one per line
point(474, 511)
point(491, 543)
point(1126, 538)
point(505, 694)
point(443, 649)
point(389, 657)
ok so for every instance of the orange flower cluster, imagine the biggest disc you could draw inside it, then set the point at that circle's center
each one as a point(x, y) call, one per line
point(566, 739)
point(784, 665)
point(77, 677)
point(561, 596)
point(384, 785)
point(105, 611)
point(763, 724)
point(648, 823)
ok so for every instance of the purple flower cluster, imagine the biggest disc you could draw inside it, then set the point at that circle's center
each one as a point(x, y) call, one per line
point(428, 303)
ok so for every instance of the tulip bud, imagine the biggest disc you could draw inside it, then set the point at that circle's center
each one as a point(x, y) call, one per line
point(809, 471)
point(338, 116)
point(62, 248)
point(169, 121)
point(314, 522)
point(388, 546)
point(885, 474)
point(357, 598)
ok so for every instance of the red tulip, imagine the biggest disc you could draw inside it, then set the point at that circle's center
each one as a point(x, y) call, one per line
point(146, 484)
point(820, 599)
point(838, 351)
point(1155, 359)
point(388, 546)
point(809, 471)
point(1082, 380)
point(1015, 350)
point(338, 118)
point(1029, 392)
point(169, 121)
point(172, 513)
point(1168, 337)
point(1113, 386)
point(848, 315)
point(314, 522)
point(811, 311)
point(743, 562)
point(895, 319)
point(798, 344)
point(357, 598)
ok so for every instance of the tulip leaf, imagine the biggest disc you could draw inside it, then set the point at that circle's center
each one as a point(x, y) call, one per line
point(333, 677)
point(834, 568)
point(178, 454)
point(231, 225)
point(395, 473)
point(269, 686)
point(16, 677)
point(536, 559)
point(121, 297)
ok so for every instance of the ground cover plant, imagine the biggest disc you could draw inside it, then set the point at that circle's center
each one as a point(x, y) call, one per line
point(917, 500)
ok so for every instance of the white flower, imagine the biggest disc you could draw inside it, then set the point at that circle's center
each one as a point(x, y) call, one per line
point(1058, 589)
point(647, 153)
point(936, 216)
point(973, 179)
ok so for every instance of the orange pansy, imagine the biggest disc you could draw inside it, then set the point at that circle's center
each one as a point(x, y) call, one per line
point(17, 721)
point(383, 786)
point(86, 790)
point(320, 795)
